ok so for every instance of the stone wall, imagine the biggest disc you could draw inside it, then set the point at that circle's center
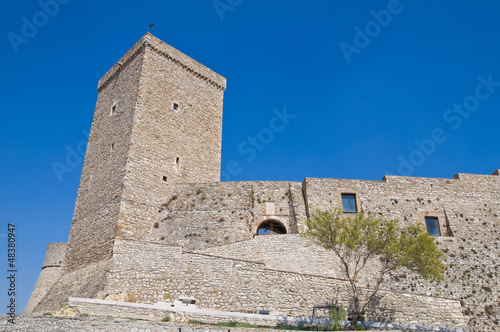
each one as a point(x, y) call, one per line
point(206, 215)
point(186, 314)
point(288, 252)
point(156, 272)
point(468, 208)
point(86, 282)
point(170, 144)
point(51, 271)
point(97, 205)
point(140, 143)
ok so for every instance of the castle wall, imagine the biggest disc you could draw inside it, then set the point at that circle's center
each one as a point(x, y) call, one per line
point(468, 203)
point(294, 253)
point(205, 215)
point(51, 271)
point(86, 282)
point(288, 252)
point(155, 272)
point(98, 202)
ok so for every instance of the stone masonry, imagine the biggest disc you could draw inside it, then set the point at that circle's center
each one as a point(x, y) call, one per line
point(153, 221)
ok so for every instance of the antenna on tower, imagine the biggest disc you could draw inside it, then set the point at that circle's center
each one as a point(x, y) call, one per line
point(151, 25)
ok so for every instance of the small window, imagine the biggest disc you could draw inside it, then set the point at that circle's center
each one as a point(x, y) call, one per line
point(177, 164)
point(113, 109)
point(112, 147)
point(175, 107)
point(432, 224)
point(164, 178)
point(349, 203)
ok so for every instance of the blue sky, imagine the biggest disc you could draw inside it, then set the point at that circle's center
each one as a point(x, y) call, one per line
point(374, 88)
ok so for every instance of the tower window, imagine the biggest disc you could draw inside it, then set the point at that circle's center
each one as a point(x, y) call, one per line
point(112, 146)
point(113, 109)
point(164, 178)
point(177, 164)
point(432, 224)
point(349, 203)
point(175, 107)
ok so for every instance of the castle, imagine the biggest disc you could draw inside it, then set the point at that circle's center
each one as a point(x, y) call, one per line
point(153, 219)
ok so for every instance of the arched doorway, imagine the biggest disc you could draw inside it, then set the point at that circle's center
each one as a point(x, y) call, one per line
point(269, 227)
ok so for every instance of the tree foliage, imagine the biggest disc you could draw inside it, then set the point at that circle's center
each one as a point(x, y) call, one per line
point(358, 240)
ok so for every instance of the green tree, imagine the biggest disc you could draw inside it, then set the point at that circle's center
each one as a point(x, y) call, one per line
point(359, 240)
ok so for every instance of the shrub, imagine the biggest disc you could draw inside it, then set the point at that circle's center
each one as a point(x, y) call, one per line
point(337, 317)
point(166, 319)
point(283, 326)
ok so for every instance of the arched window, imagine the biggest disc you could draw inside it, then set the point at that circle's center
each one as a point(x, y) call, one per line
point(271, 227)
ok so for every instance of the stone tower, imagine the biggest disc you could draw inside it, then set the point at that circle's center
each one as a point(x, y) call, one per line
point(157, 122)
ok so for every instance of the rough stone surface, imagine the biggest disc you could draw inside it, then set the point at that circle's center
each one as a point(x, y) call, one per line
point(139, 144)
point(86, 282)
point(468, 208)
point(59, 324)
point(196, 216)
point(186, 315)
point(51, 271)
point(156, 273)
point(152, 220)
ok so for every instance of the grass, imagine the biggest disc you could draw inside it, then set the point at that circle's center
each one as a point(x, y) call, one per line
point(279, 326)
point(166, 319)
point(236, 324)
point(283, 326)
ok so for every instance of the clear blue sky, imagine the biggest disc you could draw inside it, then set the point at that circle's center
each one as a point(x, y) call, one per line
point(361, 99)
